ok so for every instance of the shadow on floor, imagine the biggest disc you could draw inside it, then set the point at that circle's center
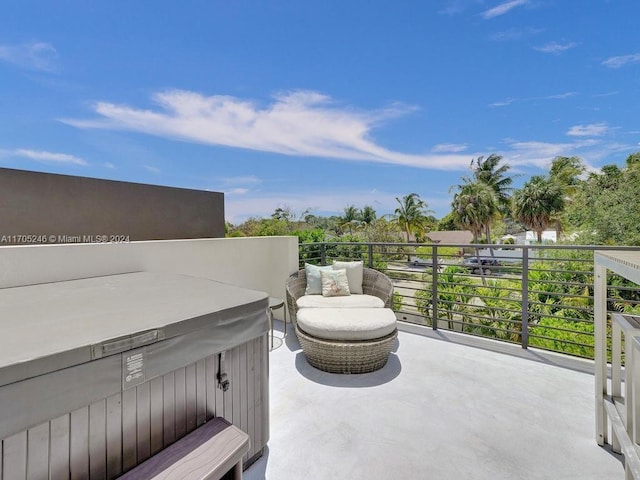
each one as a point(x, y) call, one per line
point(361, 380)
point(258, 469)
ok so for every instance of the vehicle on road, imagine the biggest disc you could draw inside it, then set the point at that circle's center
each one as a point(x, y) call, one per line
point(424, 262)
point(480, 265)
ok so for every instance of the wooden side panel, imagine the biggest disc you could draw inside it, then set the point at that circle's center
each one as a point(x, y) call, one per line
point(129, 429)
point(98, 440)
point(114, 435)
point(14, 449)
point(60, 435)
point(143, 424)
point(38, 451)
point(181, 403)
point(157, 418)
point(201, 392)
point(79, 445)
point(109, 437)
point(190, 392)
point(169, 408)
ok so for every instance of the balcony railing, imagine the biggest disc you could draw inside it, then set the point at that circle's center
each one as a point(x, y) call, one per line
point(534, 295)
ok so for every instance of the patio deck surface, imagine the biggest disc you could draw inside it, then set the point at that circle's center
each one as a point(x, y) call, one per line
point(438, 410)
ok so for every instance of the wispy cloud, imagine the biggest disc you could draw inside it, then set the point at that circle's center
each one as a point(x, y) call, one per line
point(509, 101)
point(449, 148)
point(538, 154)
point(622, 60)
point(298, 123)
point(503, 8)
point(237, 191)
point(555, 47)
point(35, 56)
point(591, 130)
point(43, 156)
point(152, 169)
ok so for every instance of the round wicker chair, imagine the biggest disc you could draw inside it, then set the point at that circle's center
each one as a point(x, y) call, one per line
point(344, 356)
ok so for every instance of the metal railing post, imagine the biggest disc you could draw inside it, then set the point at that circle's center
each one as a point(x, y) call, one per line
point(525, 297)
point(434, 286)
point(370, 252)
point(323, 253)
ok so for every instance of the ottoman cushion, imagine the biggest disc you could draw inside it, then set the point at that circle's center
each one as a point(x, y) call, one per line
point(347, 323)
point(351, 301)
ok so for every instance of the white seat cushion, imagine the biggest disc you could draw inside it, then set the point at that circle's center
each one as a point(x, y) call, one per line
point(347, 323)
point(351, 301)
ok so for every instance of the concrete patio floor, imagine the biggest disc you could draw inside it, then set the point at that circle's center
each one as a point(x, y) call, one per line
point(439, 409)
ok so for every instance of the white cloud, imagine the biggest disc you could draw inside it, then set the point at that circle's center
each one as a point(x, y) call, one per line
point(621, 61)
point(559, 96)
point(46, 157)
point(237, 191)
point(503, 8)
point(449, 148)
point(298, 123)
point(591, 130)
point(35, 55)
point(152, 169)
point(555, 47)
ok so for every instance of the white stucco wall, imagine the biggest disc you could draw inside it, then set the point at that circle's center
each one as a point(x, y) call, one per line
point(260, 263)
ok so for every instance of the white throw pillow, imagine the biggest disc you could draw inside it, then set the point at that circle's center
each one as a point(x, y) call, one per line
point(355, 274)
point(314, 285)
point(334, 283)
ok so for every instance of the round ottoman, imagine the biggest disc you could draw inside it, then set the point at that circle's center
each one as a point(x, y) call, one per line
point(346, 340)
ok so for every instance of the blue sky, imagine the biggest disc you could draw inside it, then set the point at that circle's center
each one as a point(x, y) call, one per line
point(315, 105)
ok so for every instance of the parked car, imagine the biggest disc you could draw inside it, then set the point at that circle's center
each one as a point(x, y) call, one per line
point(424, 262)
point(479, 264)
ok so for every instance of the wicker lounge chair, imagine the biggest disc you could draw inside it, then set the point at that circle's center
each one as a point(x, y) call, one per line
point(345, 356)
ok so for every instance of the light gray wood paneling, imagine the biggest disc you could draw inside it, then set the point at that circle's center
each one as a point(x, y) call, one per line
point(169, 408)
point(38, 452)
point(157, 418)
point(114, 435)
point(98, 440)
point(143, 412)
point(15, 457)
point(201, 392)
point(59, 447)
point(108, 437)
point(79, 445)
point(181, 403)
point(190, 392)
point(129, 429)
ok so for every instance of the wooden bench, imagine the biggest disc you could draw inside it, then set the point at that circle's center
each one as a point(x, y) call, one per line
point(213, 451)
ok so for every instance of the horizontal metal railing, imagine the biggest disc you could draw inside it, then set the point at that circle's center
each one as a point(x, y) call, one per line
point(532, 295)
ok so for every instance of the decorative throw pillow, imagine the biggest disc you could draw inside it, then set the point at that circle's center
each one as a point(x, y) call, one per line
point(355, 273)
point(314, 285)
point(334, 283)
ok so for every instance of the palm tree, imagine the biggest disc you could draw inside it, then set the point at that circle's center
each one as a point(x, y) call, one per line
point(494, 175)
point(350, 218)
point(368, 215)
point(475, 206)
point(537, 202)
point(412, 215)
point(565, 172)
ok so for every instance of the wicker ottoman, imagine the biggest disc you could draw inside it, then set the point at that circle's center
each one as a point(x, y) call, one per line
point(346, 340)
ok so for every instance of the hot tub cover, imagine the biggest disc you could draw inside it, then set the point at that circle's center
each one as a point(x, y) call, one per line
point(52, 326)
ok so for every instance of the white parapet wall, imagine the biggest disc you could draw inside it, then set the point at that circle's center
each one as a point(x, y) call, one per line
point(260, 263)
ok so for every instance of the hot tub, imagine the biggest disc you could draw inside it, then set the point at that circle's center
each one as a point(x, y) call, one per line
point(98, 374)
